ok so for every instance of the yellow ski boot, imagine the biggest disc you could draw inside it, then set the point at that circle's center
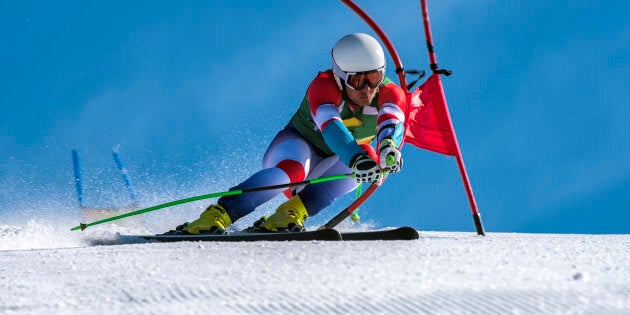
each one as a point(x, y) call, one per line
point(214, 220)
point(289, 216)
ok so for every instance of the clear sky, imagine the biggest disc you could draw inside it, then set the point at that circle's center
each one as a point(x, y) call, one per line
point(192, 92)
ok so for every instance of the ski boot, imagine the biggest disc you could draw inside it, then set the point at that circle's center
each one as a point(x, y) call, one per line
point(289, 217)
point(214, 220)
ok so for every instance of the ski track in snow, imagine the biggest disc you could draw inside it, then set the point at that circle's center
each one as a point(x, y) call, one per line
point(441, 273)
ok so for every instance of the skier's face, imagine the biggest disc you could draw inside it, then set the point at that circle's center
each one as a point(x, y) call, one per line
point(362, 97)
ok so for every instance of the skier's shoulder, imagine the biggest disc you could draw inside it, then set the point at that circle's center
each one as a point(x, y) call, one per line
point(390, 85)
point(324, 89)
point(391, 92)
point(325, 80)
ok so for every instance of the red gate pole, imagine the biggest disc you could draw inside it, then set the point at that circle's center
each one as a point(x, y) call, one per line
point(458, 156)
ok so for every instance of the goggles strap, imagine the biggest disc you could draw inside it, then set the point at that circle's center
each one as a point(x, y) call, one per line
point(340, 73)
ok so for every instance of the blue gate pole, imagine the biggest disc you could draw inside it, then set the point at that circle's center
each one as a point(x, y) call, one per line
point(125, 175)
point(76, 163)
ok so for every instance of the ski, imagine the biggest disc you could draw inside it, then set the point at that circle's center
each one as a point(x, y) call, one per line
point(401, 233)
point(317, 235)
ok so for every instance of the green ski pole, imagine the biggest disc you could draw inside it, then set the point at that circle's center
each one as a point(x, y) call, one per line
point(83, 226)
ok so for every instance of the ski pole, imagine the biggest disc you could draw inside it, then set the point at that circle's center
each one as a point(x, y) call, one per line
point(83, 226)
point(350, 209)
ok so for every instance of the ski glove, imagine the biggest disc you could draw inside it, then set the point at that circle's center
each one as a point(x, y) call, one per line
point(365, 169)
point(389, 156)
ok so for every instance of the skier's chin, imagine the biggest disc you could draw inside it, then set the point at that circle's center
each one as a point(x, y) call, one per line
point(363, 100)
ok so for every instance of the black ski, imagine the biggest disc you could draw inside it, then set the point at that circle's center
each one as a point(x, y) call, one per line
point(317, 235)
point(401, 233)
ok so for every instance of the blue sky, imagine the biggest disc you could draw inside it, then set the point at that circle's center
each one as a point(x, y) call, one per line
point(193, 91)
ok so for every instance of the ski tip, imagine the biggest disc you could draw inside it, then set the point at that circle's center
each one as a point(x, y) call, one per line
point(408, 233)
point(329, 234)
point(396, 234)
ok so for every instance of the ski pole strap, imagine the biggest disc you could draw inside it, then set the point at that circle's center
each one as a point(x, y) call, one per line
point(83, 226)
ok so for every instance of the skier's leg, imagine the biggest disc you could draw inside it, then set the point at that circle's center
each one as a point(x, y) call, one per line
point(319, 196)
point(313, 198)
point(288, 159)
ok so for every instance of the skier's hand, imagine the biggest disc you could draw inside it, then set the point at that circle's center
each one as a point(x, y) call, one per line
point(365, 169)
point(389, 156)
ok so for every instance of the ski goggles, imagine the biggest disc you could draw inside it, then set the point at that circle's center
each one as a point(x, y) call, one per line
point(358, 80)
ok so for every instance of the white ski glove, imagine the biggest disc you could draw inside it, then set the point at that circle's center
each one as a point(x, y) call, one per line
point(389, 156)
point(365, 169)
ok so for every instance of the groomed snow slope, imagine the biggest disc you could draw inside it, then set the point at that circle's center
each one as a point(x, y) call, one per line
point(441, 273)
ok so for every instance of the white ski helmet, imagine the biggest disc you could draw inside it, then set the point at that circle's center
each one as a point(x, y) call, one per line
point(356, 53)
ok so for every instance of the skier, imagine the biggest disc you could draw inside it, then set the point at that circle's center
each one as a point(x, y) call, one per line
point(344, 109)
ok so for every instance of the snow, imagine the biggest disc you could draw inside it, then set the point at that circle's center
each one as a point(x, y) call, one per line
point(46, 270)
